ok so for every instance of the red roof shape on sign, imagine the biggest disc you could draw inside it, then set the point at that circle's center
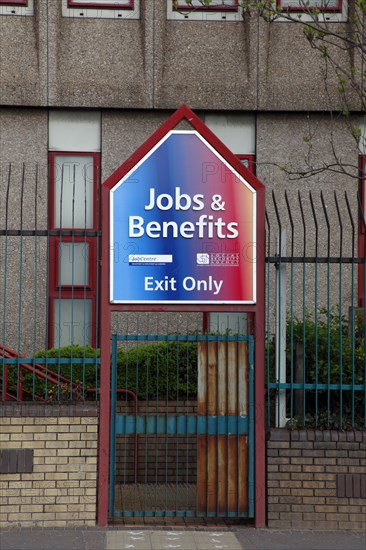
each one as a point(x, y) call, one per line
point(183, 113)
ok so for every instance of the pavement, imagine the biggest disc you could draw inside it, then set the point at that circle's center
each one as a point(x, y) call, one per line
point(238, 538)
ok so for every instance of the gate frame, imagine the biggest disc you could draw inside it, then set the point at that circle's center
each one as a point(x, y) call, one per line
point(106, 308)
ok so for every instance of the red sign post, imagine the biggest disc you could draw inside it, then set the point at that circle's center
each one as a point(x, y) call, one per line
point(200, 218)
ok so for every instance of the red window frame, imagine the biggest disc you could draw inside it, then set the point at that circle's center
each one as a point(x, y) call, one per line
point(305, 8)
point(14, 3)
point(251, 161)
point(183, 6)
point(89, 265)
point(96, 161)
point(56, 291)
point(118, 5)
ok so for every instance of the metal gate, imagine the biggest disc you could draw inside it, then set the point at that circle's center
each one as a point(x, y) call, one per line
point(182, 426)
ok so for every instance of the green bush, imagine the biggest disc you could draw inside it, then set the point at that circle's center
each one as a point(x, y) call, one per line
point(333, 354)
point(164, 370)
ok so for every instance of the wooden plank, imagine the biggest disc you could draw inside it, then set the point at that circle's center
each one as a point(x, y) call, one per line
point(233, 473)
point(202, 474)
point(212, 379)
point(212, 477)
point(221, 439)
point(222, 469)
point(232, 365)
point(243, 474)
point(222, 378)
point(243, 362)
point(202, 378)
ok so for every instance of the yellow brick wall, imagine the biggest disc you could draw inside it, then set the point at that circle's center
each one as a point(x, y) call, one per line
point(63, 486)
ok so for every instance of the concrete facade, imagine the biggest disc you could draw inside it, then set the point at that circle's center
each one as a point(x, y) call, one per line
point(133, 73)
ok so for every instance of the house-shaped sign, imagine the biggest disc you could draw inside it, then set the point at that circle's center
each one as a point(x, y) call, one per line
point(183, 221)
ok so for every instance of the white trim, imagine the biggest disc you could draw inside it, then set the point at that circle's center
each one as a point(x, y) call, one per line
point(111, 225)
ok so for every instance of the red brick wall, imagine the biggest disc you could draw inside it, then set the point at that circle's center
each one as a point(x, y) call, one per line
point(316, 479)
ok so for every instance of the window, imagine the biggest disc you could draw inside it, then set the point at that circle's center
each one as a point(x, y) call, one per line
point(16, 7)
point(103, 9)
point(308, 5)
point(323, 10)
point(215, 5)
point(217, 10)
point(73, 219)
point(100, 4)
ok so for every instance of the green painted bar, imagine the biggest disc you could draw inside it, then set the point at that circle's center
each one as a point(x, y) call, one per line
point(182, 425)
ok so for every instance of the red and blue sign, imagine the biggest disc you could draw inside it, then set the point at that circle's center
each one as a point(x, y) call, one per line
point(183, 227)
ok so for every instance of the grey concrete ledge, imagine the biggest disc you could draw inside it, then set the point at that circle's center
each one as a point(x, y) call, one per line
point(49, 409)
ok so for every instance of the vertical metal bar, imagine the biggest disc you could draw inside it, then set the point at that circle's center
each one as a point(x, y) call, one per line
point(35, 287)
point(304, 316)
point(340, 311)
point(328, 304)
point(212, 473)
point(59, 252)
point(112, 450)
point(268, 325)
point(202, 439)
point(291, 307)
point(19, 377)
point(5, 367)
point(363, 224)
point(225, 385)
point(315, 308)
point(353, 336)
point(104, 409)
point(97, 270)
point(243, 411)
point(72, 275)
point(279, 327)
point(251, 427)
point(86, 270)
point(281, 416)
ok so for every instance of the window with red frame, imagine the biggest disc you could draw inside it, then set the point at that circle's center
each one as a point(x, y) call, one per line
point(362, 232)
point(73, 262)
point(17, 7)
point(105, 4)
point(308, 5)
point(215, 5)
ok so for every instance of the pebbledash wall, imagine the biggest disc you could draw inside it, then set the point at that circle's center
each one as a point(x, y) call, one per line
point(48, 466)
point(316, 479)
point(48, 471)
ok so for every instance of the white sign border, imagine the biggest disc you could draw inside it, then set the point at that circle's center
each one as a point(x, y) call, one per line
point(111, 228)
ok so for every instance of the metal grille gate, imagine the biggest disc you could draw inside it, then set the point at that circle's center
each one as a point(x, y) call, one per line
point(182, 426)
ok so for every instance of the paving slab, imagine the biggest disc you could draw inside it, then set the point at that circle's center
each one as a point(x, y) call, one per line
point(184, 538)
point(166, 540)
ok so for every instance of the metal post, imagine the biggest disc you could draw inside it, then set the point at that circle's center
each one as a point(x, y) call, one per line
point(281, 417)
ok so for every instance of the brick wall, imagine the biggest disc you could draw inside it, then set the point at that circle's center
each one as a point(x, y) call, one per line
point(54, 482)
point(316, 479)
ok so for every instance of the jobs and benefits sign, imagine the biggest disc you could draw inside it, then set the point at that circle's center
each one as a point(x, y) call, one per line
point(182, 228)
